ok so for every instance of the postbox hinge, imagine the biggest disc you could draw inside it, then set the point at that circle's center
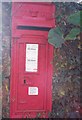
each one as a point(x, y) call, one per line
point(13, 99)
point(15, 38)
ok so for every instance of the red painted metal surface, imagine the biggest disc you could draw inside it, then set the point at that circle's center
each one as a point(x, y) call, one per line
point(31, 90)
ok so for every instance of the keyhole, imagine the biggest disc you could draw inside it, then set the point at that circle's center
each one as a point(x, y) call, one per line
point(24, 81)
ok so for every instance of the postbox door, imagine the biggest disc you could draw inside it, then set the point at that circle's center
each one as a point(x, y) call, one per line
point(32, 74)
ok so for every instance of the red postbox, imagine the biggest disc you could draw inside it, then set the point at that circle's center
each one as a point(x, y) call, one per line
point(31, 67)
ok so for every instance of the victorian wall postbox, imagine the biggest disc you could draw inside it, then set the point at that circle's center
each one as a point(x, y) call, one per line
point(31, 56)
